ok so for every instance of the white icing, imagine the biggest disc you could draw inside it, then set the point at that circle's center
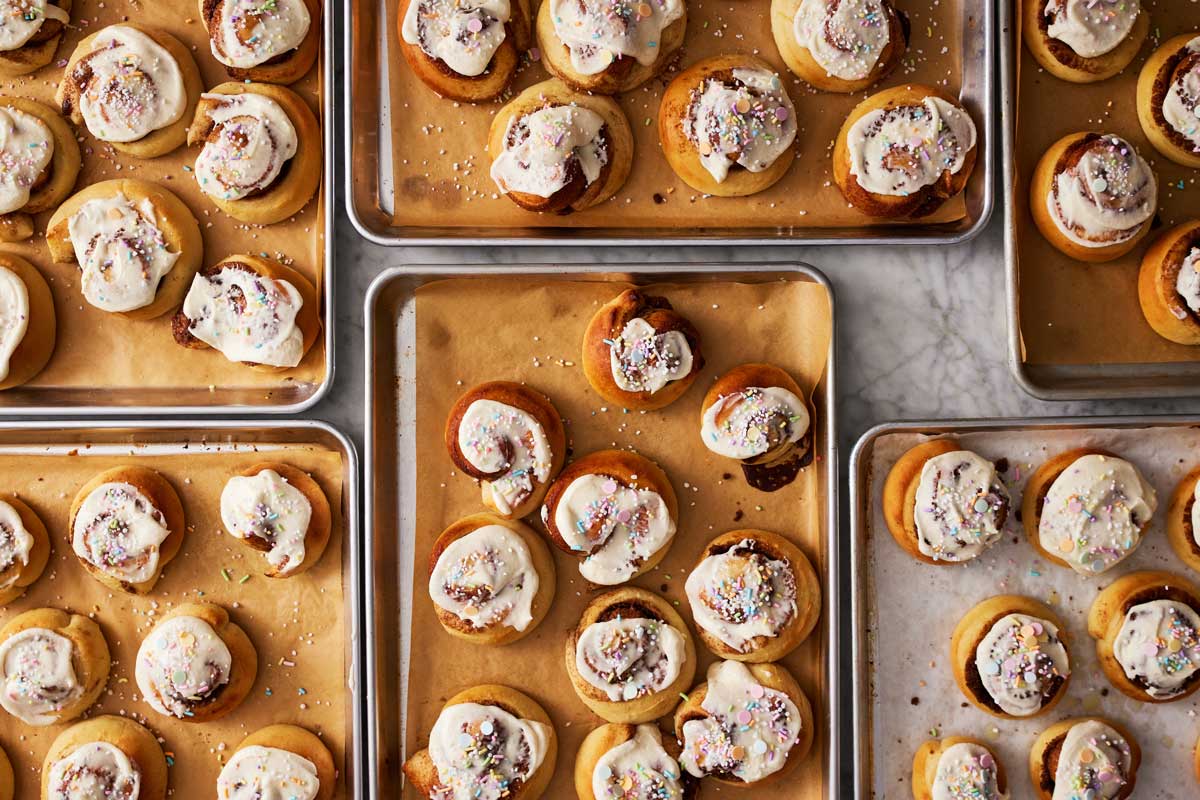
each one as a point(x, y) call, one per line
point(1019, 662)
point(38, 673)
point(630, 658)
point(845, 37)
point(748, 732)
point(15, 545)
point(740, 595)
point(267, 508)
point(246, 316)
point(121, 251)
point(483, 752)
point(182, 663)
point(251, 32)
point(509, 443)
point(1106, 197)
point(20, 21)
point(598, 32)
point(268, 773)
point(753, 422)
point(132, 86)
point(901, 150)
point(638, 769)
point(26, 148)
point(1094, 759)
point(95, 771)
point(486, 578)
point(1188, 282)
point(1091, 27)
point(1094, 513)
point(543, 151)
point(254, 139)
point(967, 770)
point(1181, 105)
point(747, 120)
point(14, 320)
point(462, 34)
point(958, 506)
point(644, 360)
point(1158, 647)
point(118, 531)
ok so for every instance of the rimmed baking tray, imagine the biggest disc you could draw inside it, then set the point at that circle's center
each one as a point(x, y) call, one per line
point(390, 502)
point(370, 145)
point(1164, 447)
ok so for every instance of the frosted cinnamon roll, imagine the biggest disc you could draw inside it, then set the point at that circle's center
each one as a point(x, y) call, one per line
point(126, 525)
point(631, 762)
point(279, 761)
point(1084, 41)
point(1093, 196)
point(840, 45)
point(252, 310)
point(1087, 510)
point(274, 42)
point(196, 664)
point(904, 152)
point(1168, 99)
point(105, 757)
point(489, 742)
point(957, 768)
point(24, 547)
point(1169, 284)
point(1086, 757)
point(137, 246)
point(28, 326)
point(30, 32)
point(615, 511)
point(41, 162)
point(132, 87)
point(510, 438)
point(281, 512)
point(1183, 520)
point(53, 666)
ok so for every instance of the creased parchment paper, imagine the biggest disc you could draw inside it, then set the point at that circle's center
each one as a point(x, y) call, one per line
point(442, 170)
point(96, 349)
point(298, 620)
point(470, 331)
point(913, 609)
point(1072, 312)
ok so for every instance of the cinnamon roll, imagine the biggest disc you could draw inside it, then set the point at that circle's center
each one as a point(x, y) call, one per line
point(902, 153)
point(260, 159)
point(133, 87)
point(631, 762)
point(608, 47)
point(489, 742)
point(252, 310)
point(631, 656)
point(1087, 509)
point(1084, 41)
point(510, 438)
point(747, 725)
point(53, 666)
point(945, 505)
point(1183, 520)
point(137, 246)
point(24, 547)
point(840, 45)
point(727, 126)
point(275, 42)
point(196, 664)
point(615, 511)
point(41, 162)
point(957, 767)
point(28, 325)
point(640, 352)
point(1147, 631)
point(491, 579)
point(281, 512)
point(105, 757)
point(126, 525)
point(1168, 99)
point(467, 51)
point(754, 596)
point(279, 761)
point(757, 414)
point(1084, 757)
point(1093, 196)
point(1010, 657)
point(30, 32)
point(1169, 284)
point(558, 150)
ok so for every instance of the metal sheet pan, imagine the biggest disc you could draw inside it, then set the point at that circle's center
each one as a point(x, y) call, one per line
point(389, 502)
point(368, 160)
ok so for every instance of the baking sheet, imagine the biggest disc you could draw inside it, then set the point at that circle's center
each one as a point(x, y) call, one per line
point(103, 359)
point(297, 625)
point(910, 694)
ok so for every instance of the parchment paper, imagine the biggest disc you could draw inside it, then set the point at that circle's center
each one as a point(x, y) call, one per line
point(469, 331)
point(442, 169)
point(913, 687)
point(96, 349)
point(1072, 312)
point(297, 620)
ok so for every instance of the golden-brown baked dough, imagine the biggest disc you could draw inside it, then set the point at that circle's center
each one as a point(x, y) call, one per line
point(89, 657)
point(55, 182)
point(286, 68)
point(1060, 60)
point(17, 577)
point(610, 736)
point(1172, 58)
point(1043, 757)
point(929, 756)
point(1180, 531)
point(1164, 308)
point(37, 345)
point(320, 524)
point(139, 744)
point(303, 743)
point(7, 779)
point(800, 60)
point(36, 53)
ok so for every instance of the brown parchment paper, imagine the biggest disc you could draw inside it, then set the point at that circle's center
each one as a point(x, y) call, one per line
point(96, 349)
point(298, 620)
point(787, 323)
point(1072, 312)
point(442, 170)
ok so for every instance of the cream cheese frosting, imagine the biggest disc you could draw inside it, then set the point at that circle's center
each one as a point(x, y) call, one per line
point(967, 771)
point(247, 317)
point(1094, 761)
point(1106, 196)
point(754, 421)
point(644, 360)
point(1091, 27)
point(845, 37)
point(482, 752)
point(119, 531)
point(94, 771)
point(181, 664)
point(1181, 105)
point(20, 21)
point(486, 578)
point(598, 32)
point(254, 139)
point(14, 323)
point(638, 769)
point(26, 149)
point(248, 33)
point(15, 545)
point(544, 150)
point(960, 506)
point(900, 150)
point(38, 674)
point(506, 442)
point(1158, 647)
point(268, 509)
point(268, 773)
point(741, 595)
point(628, 658)
point(1021, 662)
point(747, 119)
point(462, 34)
point(1188, 283)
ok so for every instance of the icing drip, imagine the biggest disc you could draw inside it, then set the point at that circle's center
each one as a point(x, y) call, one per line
point(598, 32)
point(629, 658)
point(15, 545)
point(462, 34)
point(247, 317)
point(1091, 27)
point(961, 506)
point(1158, 646)
point(638, 769)
point(967, 772)
point(901, 150)
point(269, 512)
point(740, 595)
point(95, 771)
point(1022, 663)
point(268, 773)
point(483, 752)
point(746, 119)
point(506, 442)
point(1181, 106)
point(1106, 196)
point(118, 531)
point(38, 674)
point(548, 149)
point(1094, 762)
point(1188, 283)
point(644, 360)
point(26, 148)
point(246, 33)
point(486, 578)
point(845, 37)
point(182, 664)
point(254, 139)
point(14, 322)
point(753, 422)
point(21, 20)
